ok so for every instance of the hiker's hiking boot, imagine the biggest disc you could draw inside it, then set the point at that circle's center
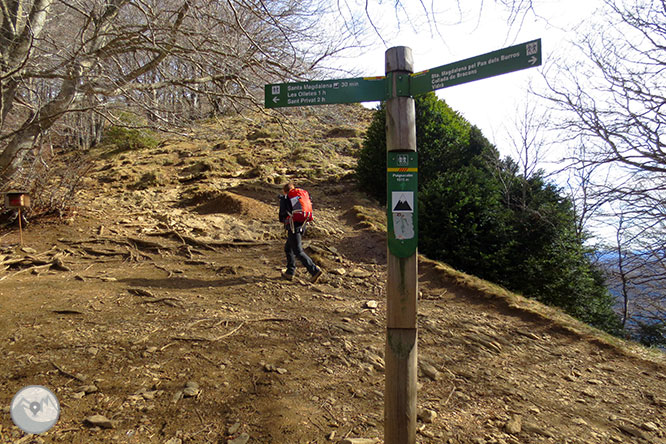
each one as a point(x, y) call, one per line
point(315, 277)
point(287, 276)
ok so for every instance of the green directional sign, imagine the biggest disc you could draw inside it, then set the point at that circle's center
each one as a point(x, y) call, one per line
point(514, 58)
point(372, 89)
point(325, 92)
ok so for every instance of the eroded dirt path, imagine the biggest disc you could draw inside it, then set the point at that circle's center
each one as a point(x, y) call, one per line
point(174, 325)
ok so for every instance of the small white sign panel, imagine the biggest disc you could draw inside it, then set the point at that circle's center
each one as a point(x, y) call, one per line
point(402, 201)
point(403, 226)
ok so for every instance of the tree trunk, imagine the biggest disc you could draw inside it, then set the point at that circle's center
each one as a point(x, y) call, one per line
point(25, 138)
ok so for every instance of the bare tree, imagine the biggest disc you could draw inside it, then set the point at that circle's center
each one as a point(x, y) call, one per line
point(613, 100)
point(610, 104)
point(527, 136)
point(636, 276)
point(587, 185)
point(170, 60)
point(63, 56)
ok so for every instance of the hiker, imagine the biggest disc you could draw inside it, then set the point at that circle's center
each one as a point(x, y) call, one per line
point(295, 213)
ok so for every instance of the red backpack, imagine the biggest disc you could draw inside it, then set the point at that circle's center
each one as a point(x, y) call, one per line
point(301, 205)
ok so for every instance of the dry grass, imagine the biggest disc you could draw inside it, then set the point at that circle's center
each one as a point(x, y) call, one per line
point(487, 290)
point(371, 218)
point(375, 219)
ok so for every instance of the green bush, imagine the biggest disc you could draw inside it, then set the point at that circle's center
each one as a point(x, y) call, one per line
point(129, 134)
point(371, 166)
point(441, 135)
point(477, 214)
point(652, 335)
point(129, 139)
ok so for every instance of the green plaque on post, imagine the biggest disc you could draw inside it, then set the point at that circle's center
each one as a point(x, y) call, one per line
point(402, 205)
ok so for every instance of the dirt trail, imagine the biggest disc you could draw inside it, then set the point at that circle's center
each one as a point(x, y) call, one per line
point(162, 309)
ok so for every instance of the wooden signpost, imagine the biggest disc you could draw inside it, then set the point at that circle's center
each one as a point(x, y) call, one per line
point(401, 352)
point(398, 88)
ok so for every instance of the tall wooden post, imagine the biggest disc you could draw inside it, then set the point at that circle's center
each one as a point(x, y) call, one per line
point(20, 226)
point(402, 286)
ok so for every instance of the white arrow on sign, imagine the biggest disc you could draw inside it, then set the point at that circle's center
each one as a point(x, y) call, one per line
point(532, 60)
point(276, 99)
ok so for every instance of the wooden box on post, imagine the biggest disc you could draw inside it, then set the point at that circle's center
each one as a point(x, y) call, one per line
point(17, 199)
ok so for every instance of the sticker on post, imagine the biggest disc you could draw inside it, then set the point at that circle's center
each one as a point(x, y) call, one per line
point(402, 201)
point(403, 214)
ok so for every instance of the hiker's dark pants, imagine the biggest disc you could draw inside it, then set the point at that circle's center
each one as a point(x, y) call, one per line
point(293, 248)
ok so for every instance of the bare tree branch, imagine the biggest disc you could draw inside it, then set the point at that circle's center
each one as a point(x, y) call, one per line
point(611, 105)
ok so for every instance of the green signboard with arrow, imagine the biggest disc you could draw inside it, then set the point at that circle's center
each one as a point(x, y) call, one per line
point(325, 92)
point(514, 58)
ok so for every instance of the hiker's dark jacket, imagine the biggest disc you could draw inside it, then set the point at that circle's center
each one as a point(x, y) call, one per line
point(285, 210)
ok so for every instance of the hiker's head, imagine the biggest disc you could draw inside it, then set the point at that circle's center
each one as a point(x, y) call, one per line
point(288, 187)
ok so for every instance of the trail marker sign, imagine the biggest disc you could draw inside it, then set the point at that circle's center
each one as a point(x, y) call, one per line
point(402, 205)
point(398, 88)
point(325, 92)
point(514, 58)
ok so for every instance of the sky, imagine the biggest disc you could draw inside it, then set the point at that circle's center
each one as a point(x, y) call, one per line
point(492, 103)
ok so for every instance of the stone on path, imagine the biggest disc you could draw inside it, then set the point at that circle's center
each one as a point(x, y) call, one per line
point(191, 389)
point(360, 273)
point(514, 425)
point(429, 370)
point(99, 421)
point(650, 426)
point(242, 439)
point(427, 416)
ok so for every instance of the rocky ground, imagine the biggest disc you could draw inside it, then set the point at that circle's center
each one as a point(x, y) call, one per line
point(155, 311)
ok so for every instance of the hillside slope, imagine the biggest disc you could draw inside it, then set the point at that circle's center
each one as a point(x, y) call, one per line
point(158, 304)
